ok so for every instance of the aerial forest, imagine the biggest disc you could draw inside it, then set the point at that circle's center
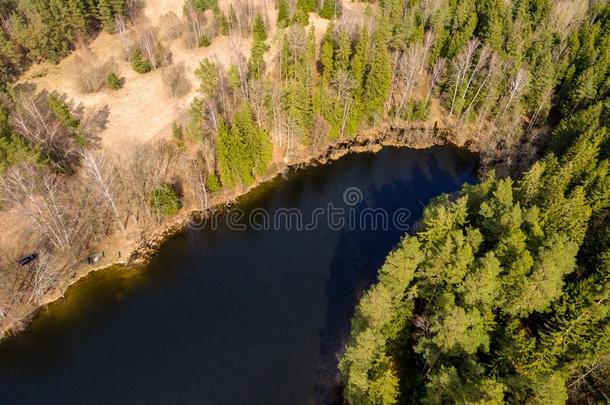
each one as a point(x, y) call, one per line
point(500, 294)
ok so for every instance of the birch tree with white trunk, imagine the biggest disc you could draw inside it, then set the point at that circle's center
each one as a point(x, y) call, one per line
point(99, 175)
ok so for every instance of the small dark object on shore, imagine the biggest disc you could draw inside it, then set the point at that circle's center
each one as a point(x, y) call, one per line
point(95, 257)
point(27, 259)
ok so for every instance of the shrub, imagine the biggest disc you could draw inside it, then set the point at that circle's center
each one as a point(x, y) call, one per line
point(174, 78)
point(139, 63)
point(61, 111)
point(164, 200)
point(213, 183)
point(114, 82)
point(204, 42)
point(416, 111)
point(178, 133)
point(205, 4)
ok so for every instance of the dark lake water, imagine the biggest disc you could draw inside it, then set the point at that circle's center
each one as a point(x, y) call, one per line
point(235, 316)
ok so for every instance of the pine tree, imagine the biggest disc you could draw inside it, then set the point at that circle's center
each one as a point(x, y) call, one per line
point(223, 22)
point(260, 31)
point(204, 5)
point(450, 385)
point(307, 6)
point(225, 149)
point(118, 7)
point(76, 15)
point(256, 64)
point(490, 22)
point(283, 18)
point(359, 62)
point(9, 62)
point(378, 80)
point(244, 149)
point(208, 75)
point(330, 9)
point(42, 33)
point(301, 17)
point(106, 14)
point(342, 52)
point(326, 55)
point(13, 148)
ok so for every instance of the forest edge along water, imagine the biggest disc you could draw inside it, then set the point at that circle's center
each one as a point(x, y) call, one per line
point(234, 315)
point(127, 253)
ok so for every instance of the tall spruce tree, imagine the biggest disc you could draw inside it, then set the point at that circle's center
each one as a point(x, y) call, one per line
point(379, 76)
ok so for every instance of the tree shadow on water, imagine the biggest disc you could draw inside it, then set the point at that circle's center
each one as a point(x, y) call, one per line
point(360, 252)
point(358, 255)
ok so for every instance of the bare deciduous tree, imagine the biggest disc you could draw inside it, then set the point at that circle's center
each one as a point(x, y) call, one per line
point(296, 38)
point(319, 132)
point(152, 49)
point(517, 86)
point(34, 123)
point(124, 34)
point(408, 74)
point(344, 84)
point(258, 95)
point(245, 12)
point(195, 25)
point(143, 167)
point(171, 26)
point(278, 114)
point(438, 70)
point(590, 379)
point(100, 175)
point(492, 65)
point(33, 120)
point(567, 15)
point(41, 198)
point(175, 81)
point(44, 277)
point(483, 56)
point(196, 171)
point(461, 65)
point(241, 64)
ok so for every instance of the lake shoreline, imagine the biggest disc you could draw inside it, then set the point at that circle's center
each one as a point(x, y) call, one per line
point(371, 141)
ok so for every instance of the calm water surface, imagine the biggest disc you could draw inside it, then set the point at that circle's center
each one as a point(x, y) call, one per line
point(225, 316)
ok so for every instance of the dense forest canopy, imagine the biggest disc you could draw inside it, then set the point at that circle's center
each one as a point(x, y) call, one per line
point(503, 294)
